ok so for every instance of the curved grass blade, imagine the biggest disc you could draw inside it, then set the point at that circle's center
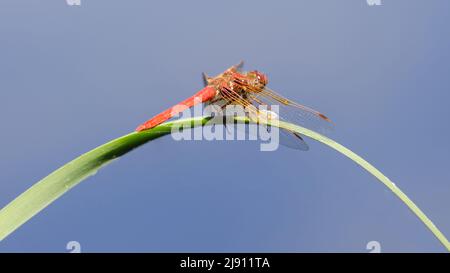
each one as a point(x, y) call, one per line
point(50, 188)
point(63, 179)
point(369, 168)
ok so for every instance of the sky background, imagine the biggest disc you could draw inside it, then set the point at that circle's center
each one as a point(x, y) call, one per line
point(74, 77)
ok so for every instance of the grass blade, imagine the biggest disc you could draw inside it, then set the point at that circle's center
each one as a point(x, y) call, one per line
point(63, 179)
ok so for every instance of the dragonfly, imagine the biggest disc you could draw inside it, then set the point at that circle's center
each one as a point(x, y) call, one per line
point(236, 87)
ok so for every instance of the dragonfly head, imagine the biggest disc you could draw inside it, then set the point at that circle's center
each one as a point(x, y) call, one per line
point(259, 80)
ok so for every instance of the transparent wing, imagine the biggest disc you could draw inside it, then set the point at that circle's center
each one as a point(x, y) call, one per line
point(287, 138)
point(292, 140)
point(292, 112)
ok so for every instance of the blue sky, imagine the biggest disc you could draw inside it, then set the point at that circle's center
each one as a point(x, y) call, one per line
point(74, 77)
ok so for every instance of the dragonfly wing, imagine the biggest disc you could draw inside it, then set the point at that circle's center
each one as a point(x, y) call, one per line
point(286, 138)
point(289, 139)
point(293, 140)
point(292, 112)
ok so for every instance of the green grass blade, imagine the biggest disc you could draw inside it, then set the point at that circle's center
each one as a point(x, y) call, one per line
point(373, 171)
point(50, 188)
point(63, 179)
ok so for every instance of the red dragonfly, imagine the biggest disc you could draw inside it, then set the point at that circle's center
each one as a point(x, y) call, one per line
point(249, 90)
